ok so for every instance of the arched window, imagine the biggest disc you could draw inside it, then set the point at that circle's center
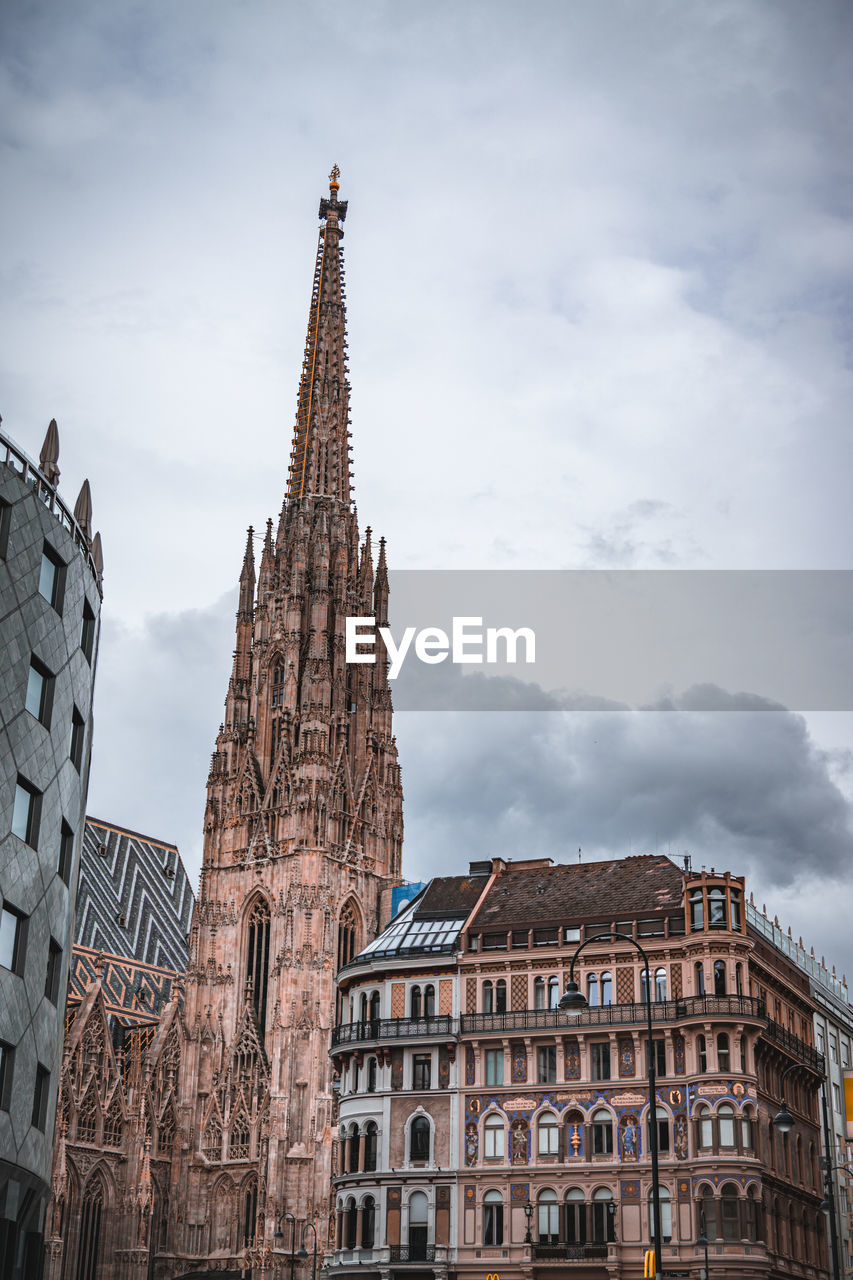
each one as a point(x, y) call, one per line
point(493, 1218)
point(353, 1149)
point(644, 985)
point(548, 1222)
point(729, 1216)
point(500, 996)
point(709, 1213)
point(257, 963)
point(665, 1214)
point(699, 978)
point(87, 1118)
point(277, 685)
point(374, 1007)
point(592, 990)
point(575, 1216)
point(368, 1222)
point(488, 997)
point(603, 1214)
point(751, 1216)
point(363, 1014)
point(719, 978)
point(494, 1137)
point(539, 993)
point(662, 1130)
point(347, 933)
point(554, 992)
point(548, 1134)
point(166, 1131)
point(723, 1055)
point(250, 1210)
point(607, 988)
point(418, 1226)
point(415, 1002)
point(697, 911)
point(113, 1125)
point(726, 1117)
point(419, 1132)
point(371, 1075)
point(705, 1126)
point(89, 1247)
point(739, 979)
point(350, 1224)
point(602, 1133)
point(238, 1146)
point(735, 902)
point(702, 1053)
point(660, 984)
point(429, 1001)
point(716, 909)
point(746, 1130)
point(371, 1144)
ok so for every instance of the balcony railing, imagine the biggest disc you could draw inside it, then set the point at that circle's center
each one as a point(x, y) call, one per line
point(394, 1029)
point(569, 1252)
point(412, 1253)
point(794, 1045)
point(616, 1014)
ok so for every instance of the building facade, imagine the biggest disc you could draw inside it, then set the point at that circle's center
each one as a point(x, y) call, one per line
point(50, 601)
point(228, 1113)
point(483, 1131)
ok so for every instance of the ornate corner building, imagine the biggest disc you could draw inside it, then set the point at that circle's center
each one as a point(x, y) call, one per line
point(50, 602)
point(211, 1136)
point(484, 1132)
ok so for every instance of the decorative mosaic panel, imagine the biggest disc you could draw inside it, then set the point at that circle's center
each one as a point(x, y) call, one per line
point(630, 1189)
point(624, 986)
point(442, 1197)
point(675, 981)
point(519, 1131)
point(471, 1143)
point(519, 1064)
point(573, 1058)
point(678, 1053)
point(574, 1134)
point(627, 1064)
point(469, 1065)
point(445, 997)
point(518, 991)
point(470, 995)
point(684, 1189)
point(519, 1192)
point(398, 999)
point(679, 1132)
point(629, 1138)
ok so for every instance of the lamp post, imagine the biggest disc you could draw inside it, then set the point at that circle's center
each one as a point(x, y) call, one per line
point(303, 1252)
point(703, 1241)
point(528, 1213)
point(783, 1122)
point(279, 1235)
point(573, 1003)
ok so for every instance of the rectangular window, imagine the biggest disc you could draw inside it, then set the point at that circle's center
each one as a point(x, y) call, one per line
point(26, 813)
point(54, 971)
point(659, 1049)
point(599, 1056)
point(836, 1098)
point(546, 937)
point(572, 934)
point(13, 939)
point(66, 852)
point(39, 700)
point(40, 1094)
point(78, 733)
point(845, 1053)
point(5, 523)
point(87, 638)
point(546, 1061)
point(651, 928)
point(494, 942)
point(676, 925)
point(421, 1069)
point(52, 578)
point(494, 1066)
point(833, 1048)
point(7, 1068)
point(520, 938)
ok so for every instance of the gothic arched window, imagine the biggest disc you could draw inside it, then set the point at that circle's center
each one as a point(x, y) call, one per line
point(250, 1210)
point(90, 1231)
point(347, 933)
point(238, 1147)
point(113, 1125)
point(212, 1141)
point(258, 954)
point(166, 1131)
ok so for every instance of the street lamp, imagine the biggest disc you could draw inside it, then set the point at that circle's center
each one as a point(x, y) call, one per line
point(528, 1213)
point(703, 1241)
point(783, 1122)
point(573, 1003)
point(279, 1235)
point(303, 1252)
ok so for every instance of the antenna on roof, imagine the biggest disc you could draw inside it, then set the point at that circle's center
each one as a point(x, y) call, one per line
point(688, 867)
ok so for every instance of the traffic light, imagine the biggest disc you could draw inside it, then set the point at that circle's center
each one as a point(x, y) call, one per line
point(649, 1271)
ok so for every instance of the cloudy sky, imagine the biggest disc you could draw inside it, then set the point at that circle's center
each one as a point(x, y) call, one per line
point(598, 264)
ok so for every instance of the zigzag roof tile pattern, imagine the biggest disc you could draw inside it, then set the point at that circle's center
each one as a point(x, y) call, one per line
point(128, 903)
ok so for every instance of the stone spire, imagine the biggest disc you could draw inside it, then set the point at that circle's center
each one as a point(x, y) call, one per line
point(319, 460)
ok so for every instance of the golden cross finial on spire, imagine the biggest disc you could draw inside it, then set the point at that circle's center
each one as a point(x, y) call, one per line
point(334, 185)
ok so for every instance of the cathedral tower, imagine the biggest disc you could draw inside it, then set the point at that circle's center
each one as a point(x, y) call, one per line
point(303, 828)
point(200, 1146)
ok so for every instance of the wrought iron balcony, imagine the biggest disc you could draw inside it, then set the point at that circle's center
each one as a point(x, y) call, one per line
point(411, 1253)
point(440, 1027)
point(610, 1015)
point(569, 1252)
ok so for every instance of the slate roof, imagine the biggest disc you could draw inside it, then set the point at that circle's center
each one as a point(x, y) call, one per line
point(625, 889)
point(450, 895)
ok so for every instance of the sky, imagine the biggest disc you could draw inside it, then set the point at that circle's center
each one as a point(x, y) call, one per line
point(598, 262)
